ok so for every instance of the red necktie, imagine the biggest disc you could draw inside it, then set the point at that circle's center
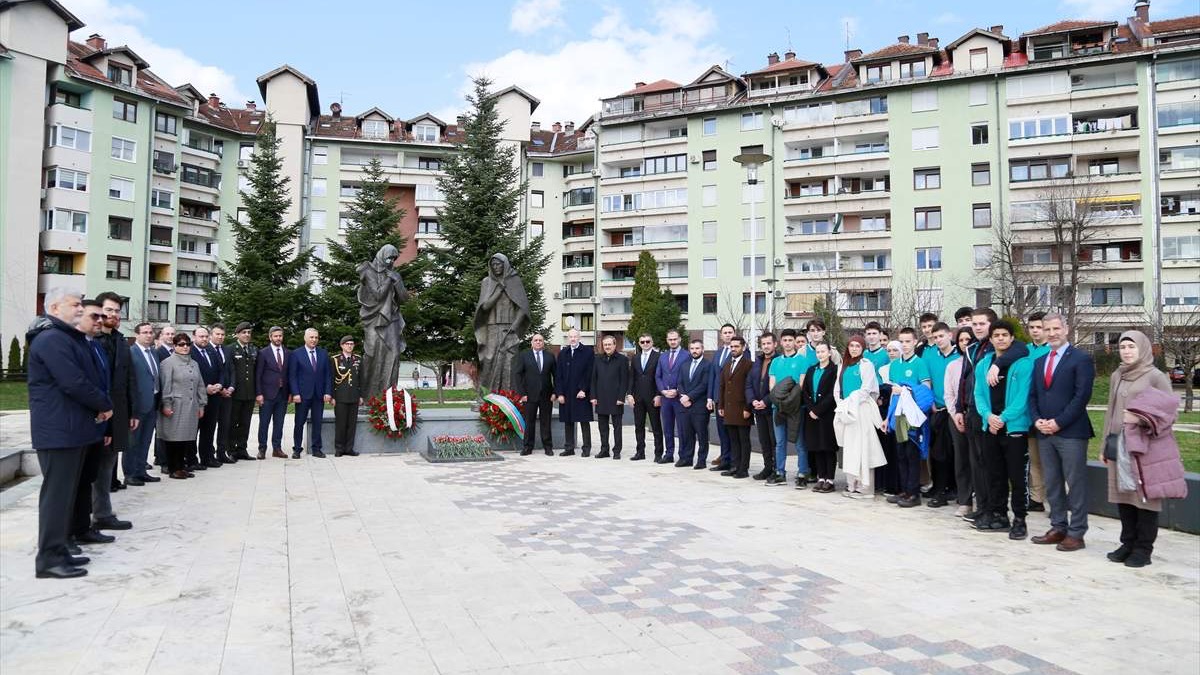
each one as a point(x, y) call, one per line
point(1050, 368)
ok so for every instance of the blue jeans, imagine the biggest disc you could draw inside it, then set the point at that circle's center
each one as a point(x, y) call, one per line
point(133, 462)
point(270, 414)
point(781, 450)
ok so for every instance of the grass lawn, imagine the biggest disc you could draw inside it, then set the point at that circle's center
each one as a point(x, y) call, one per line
point(13, 396)
point(427, 395)
point(1189, 443)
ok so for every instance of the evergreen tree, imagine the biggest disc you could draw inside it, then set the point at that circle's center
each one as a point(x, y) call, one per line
point(265, 283)
point(14, 360)
point(835, 332)
point(482, 189)
point(374, 221)
point(654, 309)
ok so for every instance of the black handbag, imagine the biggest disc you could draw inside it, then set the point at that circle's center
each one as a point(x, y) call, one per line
point(1110, 447)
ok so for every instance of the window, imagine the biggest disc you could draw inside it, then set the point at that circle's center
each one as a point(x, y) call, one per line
point(161, 199)
point(124, 150)
point(929, 299)
point(878, 223)
point(1179, 159)
point(928, 219)
point(983, 256)
point(1181, 248)
point(752, 121)
point(187, 314)
point(709, 230)
point(120, 75)
point(878, 73)
point(708, 268)
point(66, 221)
point(756, 192)
point(927, 179)
point(188, 244)
point(709, 303)
point(351, 190)
point(66, 179)
point(1187, 293)
point(867, 300)
point(929, 258)
point(925, 139)
point(981, 174)
point(537, 199)
point(710, 160)
point(802, 263)
point(983, 297)
point(69, 98)
point(1036, 256)
point(708, 195)
point(245, 152)
point(124, 110)
point(120, 228)
point(981, 215)
point(758, 232)
point(197, 175)
point(160, 236)
point(875, 262)
point(808, 114)
point(164, 162)
point(120, 188)
point(676, 132)
point(1179, 114)
point(374, 129)
point(979, 59)
point(1111, 295)
point(979, 134)
point(70, 137)
point(1173, 71)
point(1041, 84)
point(577, 289)
point(875, 105)
point(537, 169)
point(316, 220)
point(426, 132)
point(579, 197)
point(668, 164)
point(709, 126)
point(912, 69)
point(1104, 167)
point(1039, 169)
point(1040, 126)
point(810, 227)
point(320, 187)
point(117, 267)
point(977, 95)
point(924, 99)
point(760, 303)
point(759, 262)
point(166, 124)
point(429, 193)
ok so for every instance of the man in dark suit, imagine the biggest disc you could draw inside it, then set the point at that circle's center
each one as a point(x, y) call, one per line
point(610, 387)
point(144, 365)
point(220, 406)
point(533, 378)
point(758, 393)
point(310, 382)
point(644, 397)
point(734, 408)
point(164, 346)
point(271, 392)
point(347, 396)
point(1061, 387)
point(573, 385)
point(666, 378)
point(210, 371)
point(122, 391)
point(695, 378)
point(244, 357)
point(720, 357)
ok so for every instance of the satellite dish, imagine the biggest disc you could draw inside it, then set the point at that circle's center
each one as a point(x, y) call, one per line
point(777, 121)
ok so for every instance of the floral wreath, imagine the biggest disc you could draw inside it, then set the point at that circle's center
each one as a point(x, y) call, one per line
point(377, 413)
point(497, 423)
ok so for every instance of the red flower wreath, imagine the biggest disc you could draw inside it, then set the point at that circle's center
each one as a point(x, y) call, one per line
point(378, 417)
point(495, 420)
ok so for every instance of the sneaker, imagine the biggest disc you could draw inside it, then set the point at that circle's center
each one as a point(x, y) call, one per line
point(1138, 558)
point(995, 523)
point(763, 475)
point(775, 480)
point(973, 515)
point(801, 483)
point(1121, 554)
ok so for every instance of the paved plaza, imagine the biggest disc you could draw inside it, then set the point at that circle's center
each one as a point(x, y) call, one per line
point(388, 564)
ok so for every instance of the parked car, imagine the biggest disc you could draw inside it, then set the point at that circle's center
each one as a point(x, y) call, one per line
point(1196, 377)
point(1178, 375)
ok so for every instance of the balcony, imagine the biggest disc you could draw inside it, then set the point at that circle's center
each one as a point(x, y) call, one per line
point(204, 149)
point(48, 281)
point(63, 241)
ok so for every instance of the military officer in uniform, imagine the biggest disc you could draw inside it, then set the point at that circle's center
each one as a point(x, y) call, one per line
point(244, 355)
point(347, 396)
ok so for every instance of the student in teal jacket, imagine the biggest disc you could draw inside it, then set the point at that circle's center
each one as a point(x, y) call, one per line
point(1004, 408)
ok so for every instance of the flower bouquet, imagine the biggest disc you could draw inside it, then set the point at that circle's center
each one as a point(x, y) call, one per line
point(393, 413)
point(501, 412)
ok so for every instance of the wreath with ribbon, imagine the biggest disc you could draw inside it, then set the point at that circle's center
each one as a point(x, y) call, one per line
point(394, 413)
point(501, 413)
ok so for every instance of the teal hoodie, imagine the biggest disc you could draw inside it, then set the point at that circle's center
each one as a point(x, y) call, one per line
point(1016, 395)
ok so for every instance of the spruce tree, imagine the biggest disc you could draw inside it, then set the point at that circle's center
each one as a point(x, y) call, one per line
point(265, 283)
point(14, 360)
point(654, 309)
point(482, 189)
point(835, 332)
point(374, 221)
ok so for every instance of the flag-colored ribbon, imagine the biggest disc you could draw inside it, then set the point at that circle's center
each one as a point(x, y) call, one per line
point(510, 411)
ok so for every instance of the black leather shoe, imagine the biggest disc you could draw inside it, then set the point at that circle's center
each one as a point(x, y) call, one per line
point(198, 467)
point(567, 453)
point(225, 459)
point(94, 537)
point(1121, 554)
point(135, 482)
point(661, 460)
point(700, 467)
point(764, 474)
point(1138, 559)
point(728, 472)
point(936, 502)
point(740, 474)
point(616, 455)
point(151, 479)
point(683, 463)
point(586, 453)
point(354, 453)
point(78, 560)
point(74, 549)
point(524, 453)
point(603, 454)
point(243, 455)
point(318, 454)
point(1018, 531)
point(116, 485)
point(112, 523)
point(61, 572)
point(723, 468)
point(637, 457)
point(295, 455)
point(549, 453)
point(212, 464)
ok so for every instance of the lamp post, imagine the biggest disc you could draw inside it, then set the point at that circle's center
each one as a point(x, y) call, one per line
point(752, 160)
point(770, 282)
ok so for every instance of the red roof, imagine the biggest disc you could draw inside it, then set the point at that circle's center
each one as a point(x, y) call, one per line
point(786, 64)
point(148, 83)
point(554, 142)
point(898, 49)
point(347, 127)
point(660, 85)
point(1173, 25)
point(1069, 25)
point(241, 120)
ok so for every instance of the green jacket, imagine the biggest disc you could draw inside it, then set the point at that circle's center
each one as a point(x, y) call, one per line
point(1016, 394)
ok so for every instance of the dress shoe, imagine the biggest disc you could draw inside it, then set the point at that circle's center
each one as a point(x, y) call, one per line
point(116, 485)
point(603, 454)
point(61, 572)
point(1036, 506)
point(549, 453)
point(180, 475)
point(197, 467)
point(763, 475)
point(275, 453)
point(244, 455)
point(78, 560)
point(1121, 554)
point(936, 502)
point(354, 453)
point(699, 467)
point(262, 454)
point(1018, 531)
point(1138, 558)
point(111, 523)
point(296, 455)
point(318, 454)
point(911, 501)
point(1052, 536)
point(566, 453)
point(211, 464)
point(1070, 543)
point(728, 472)
point(716, 462)
point(226, 459)
point(135, 482)
point(586, 453)
point(682, 463)
point(637, 457)
point(524, 453)
point(73, 548)
point(188, 474)
point(776, 480)
point(740, 474)
point(617, 454)
point(94, 536)
point(895, 499)
point(723, 468)
point(151, 479)
point(149, 466)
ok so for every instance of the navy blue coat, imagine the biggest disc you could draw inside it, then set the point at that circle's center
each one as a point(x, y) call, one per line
point(143, 401)
point(1066, 400)
point(573, 373)
point(666, 376)
point(304, 380)
point(210, 367)
point(66, 387)
point(758, 382)
point(696, 387)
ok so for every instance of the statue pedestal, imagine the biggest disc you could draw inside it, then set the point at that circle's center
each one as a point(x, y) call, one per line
point(434, 422)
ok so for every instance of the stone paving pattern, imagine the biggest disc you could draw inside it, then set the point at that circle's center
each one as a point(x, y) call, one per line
point(387, 564)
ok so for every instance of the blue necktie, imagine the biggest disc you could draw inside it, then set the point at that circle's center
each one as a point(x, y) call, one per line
point(102, 363)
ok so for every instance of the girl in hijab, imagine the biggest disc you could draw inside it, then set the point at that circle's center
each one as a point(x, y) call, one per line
point(887, 479)
point(1139, 517)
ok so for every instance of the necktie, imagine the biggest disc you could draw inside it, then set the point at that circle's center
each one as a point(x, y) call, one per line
point(204, 353)
point(724, 355)
point(538, 357)
point(645, 358)
point(671, 362)
point(221, 354)
point(152, 362)
point(1050, 368)
point(692, 371)
point(312, 358)
point(103, 363)
point(278, 357)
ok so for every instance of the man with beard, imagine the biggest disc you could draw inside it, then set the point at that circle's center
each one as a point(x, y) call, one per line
point(122, 391)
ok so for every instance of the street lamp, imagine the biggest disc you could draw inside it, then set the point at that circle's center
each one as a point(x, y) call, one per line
point(752, 160)
point(770, 282)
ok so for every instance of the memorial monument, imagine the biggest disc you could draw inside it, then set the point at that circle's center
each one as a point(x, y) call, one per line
point(381, 292)
point(501, 319)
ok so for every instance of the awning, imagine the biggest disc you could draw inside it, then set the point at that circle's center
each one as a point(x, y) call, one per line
point(1112, 198)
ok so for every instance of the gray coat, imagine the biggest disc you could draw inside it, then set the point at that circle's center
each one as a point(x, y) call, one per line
point(183, 393)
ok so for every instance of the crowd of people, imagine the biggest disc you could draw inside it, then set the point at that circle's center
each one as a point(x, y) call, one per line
point(96, 401)
point(967, 415)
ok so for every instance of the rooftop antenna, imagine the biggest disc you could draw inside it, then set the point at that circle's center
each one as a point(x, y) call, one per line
point(342, 98)
point(846, 27)
point(789, 38)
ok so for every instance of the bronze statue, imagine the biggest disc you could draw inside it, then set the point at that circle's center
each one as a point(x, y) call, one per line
point(380, 293)
point(501, 319)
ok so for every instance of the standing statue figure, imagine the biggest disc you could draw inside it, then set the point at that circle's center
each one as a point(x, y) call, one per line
point(380, 294)
point(501, 319)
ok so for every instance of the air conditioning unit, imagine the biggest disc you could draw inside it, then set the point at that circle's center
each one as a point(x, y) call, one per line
point(594, 300)
point(595, 173)
point(558, 296)
point(243, 164)
point(778, 295)
point(693, 159)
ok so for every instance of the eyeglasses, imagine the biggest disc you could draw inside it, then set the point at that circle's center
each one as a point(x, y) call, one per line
point(643, 342)
point(94, 316)
point(183, 344)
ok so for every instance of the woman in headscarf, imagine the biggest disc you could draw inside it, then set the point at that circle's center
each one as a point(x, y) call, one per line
point(380, 293)
point(501, 319)
point(963, 337)
point(183, 401)
point(887, 478)
point(856, 420)
point(1139, 516)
